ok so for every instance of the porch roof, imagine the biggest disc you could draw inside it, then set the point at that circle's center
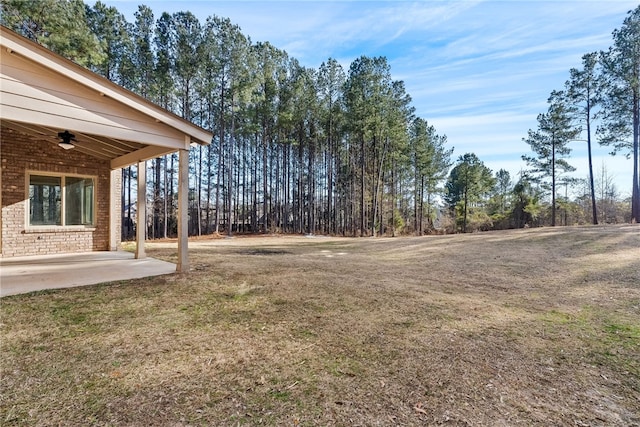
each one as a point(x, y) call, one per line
point(42, 94)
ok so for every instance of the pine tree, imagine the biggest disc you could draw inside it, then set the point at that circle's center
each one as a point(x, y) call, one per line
point(550, 144)
point(368, 98)
point(431, 163)
point(468, 184)
point(112, 29)
point(331, 78)
point(621, 119)
point(143, 57)
point(583, 96)
point(61, 26)
point(187, 36)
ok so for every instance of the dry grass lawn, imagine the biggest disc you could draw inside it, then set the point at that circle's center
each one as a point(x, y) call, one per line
point(536, 327)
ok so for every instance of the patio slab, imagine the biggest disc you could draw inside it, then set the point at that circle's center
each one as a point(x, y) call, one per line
point(35, 273)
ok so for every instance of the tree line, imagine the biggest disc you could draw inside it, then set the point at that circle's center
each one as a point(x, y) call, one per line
point(600, 102)
point(295, 149)
point(600, 99)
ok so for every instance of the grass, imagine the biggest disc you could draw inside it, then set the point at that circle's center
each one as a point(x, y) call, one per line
point(529, 327)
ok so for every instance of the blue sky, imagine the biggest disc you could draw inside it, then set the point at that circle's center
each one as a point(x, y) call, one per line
point(479, 71)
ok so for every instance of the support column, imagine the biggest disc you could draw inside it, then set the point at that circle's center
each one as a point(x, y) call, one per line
point(141, 210)
point(183, 214)
point(115, 209)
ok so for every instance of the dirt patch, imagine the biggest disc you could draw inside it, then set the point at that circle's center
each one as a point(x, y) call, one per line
point(262, 251)
point(529, 327)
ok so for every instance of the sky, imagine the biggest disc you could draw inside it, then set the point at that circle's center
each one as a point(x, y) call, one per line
point(479, 71)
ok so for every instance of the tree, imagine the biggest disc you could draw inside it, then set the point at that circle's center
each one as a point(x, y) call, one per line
point(143, 59)
point(224, 79)
point(163, 41)
point(331, 78)
point(431, 163)
point(143, 65)
point(469, 181)
point(398, 120)
point(295, 149)
point(110, 27)
point(621, 119)
point(368, 95)
point(550, 143)
point(187, 36)
point(304, 99)
point(271, 73)
point(583, 95)
point(162, 92)
point(526, 204)
point(609, 196)
point(500, 195)
point(58, 25)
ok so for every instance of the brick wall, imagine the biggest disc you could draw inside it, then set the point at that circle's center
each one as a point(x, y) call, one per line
point(20, 153)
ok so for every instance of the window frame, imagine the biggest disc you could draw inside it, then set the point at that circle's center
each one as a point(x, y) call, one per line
point(63, 202)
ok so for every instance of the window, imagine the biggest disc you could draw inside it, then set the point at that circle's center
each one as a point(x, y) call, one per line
point(61, 200)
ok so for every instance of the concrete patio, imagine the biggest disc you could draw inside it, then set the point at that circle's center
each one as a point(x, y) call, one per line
point(20, 275)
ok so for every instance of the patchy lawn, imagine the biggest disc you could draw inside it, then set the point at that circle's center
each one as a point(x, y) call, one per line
point(528, 327)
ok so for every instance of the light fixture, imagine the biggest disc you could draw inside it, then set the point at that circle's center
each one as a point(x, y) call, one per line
point(66, 137)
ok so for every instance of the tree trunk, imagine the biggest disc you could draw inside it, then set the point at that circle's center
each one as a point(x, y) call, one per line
point(199, 192)
point(594, 209)
point(553, 183)
point(265, 179)
point(230, 173)
point(362, 206)
point(166, 201)
point(635, 193)
point(464, 218)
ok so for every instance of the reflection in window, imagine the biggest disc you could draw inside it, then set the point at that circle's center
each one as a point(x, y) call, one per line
point(44, 197)
point(78, 201)
point(51, 196)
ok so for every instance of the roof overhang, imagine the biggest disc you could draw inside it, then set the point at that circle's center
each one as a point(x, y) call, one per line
point(42, 94)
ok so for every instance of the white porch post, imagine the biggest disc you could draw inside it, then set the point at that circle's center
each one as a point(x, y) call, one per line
point(183, 214)
point(115, 210)
point(141, 210)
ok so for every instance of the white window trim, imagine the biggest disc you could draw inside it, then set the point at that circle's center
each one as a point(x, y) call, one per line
point(52, 228)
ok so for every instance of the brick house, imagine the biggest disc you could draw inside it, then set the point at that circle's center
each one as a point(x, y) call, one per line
point(62, 198)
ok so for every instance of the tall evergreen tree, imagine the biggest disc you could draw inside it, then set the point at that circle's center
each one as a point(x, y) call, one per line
point(114, 33)
point(368, 97)
point(583, 96)
point(271, 72)
point(58, 25)
point(396, 162)
point(550, 144)
point(225, 78)
point(143, 65)
point(621, 119)
point(305, 120)
point(106, 25)
point(143, 59)
point(500, 195)
point(187, 35)
point(468, 184)
point(162, 92)
point(526, 203)
point(431, 163)
point(163, 82)
point(331, 78)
